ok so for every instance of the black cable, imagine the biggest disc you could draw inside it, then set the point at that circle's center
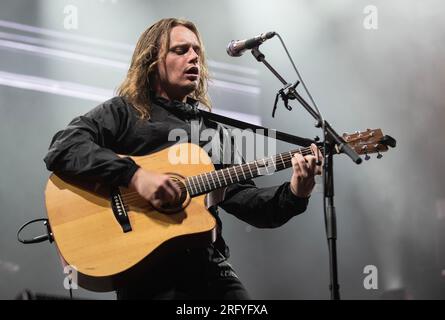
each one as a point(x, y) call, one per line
point(44, 237)
point(321, 120)
point(41, 238)
point(300, 78)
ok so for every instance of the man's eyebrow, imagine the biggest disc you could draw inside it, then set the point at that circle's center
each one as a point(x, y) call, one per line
point(185, 44)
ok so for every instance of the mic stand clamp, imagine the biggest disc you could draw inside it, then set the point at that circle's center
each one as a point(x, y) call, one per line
point(285, 96)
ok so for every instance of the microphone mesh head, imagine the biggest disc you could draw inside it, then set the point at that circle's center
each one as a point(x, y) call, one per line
point(231, 49)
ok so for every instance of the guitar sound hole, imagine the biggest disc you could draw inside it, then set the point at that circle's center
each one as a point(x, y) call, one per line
point(183, 200)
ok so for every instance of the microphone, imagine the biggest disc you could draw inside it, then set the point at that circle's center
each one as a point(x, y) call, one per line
point(237, 47)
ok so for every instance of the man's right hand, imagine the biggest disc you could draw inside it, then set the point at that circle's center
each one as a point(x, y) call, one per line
point(156, 188)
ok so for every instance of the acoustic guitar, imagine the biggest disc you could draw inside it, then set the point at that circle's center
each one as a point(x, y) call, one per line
point(110, 235)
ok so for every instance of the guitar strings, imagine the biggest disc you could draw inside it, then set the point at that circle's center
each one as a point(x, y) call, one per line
point(235, 169)
point(238, 171)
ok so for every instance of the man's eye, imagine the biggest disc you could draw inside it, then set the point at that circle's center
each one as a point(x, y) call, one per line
point(184, 50)
point(180, 51)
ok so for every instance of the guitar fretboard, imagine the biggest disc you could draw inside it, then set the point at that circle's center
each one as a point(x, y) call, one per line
point(209, 181)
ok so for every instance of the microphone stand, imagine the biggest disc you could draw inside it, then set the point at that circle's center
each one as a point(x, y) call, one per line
point(332, 143)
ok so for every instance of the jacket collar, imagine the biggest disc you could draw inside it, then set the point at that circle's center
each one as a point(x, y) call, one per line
point(185, 110)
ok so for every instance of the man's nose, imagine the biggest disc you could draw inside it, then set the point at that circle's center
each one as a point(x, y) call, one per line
point(193, 56)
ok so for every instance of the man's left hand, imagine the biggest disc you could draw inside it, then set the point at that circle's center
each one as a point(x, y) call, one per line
point(305, 169)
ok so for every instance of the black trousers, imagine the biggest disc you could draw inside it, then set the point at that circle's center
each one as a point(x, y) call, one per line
point(189, 276)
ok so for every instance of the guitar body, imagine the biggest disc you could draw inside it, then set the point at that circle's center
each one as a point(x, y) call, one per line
point(90, 238)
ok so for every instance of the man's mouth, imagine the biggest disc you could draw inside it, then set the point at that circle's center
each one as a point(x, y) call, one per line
point(192, 72)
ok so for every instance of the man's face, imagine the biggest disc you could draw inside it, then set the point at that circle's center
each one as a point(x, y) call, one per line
point(179, 73)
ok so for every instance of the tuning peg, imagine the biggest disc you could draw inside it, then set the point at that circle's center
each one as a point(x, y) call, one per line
point(379, 155)
point(367, 157)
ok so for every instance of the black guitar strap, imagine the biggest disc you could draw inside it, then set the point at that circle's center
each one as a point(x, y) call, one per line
point(304, 142)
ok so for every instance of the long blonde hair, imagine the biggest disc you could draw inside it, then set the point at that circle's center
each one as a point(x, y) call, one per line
point(151, 49)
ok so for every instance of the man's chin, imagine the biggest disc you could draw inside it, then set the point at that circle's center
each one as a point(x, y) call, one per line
point(191, 86)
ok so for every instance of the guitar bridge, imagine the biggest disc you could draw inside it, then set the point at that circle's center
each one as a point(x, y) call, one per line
point(120, 211)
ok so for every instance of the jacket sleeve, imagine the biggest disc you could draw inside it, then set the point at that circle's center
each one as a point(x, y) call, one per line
point(85, 147)
point(268, 207)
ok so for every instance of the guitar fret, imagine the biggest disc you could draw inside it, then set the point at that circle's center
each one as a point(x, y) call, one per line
point(211, 176)
point(215, 174)
point(208, 181)
point(236, 173)
point(275, 166)
point(224, 177)
point(266, 166)
point(257, 169)
point(281, 157)
point(220, 184)
point(248, 166)
point(187, 182)
point(199, 184)
point(194, 184)
point(242, 170)
point(230, 176)
point(203, 183)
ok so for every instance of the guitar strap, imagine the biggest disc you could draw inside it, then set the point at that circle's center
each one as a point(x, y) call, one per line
point(304, 142)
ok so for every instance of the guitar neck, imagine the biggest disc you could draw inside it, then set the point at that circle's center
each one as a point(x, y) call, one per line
point(209, 181)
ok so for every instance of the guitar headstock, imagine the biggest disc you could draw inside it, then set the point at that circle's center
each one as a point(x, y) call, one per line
point(369, 141)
